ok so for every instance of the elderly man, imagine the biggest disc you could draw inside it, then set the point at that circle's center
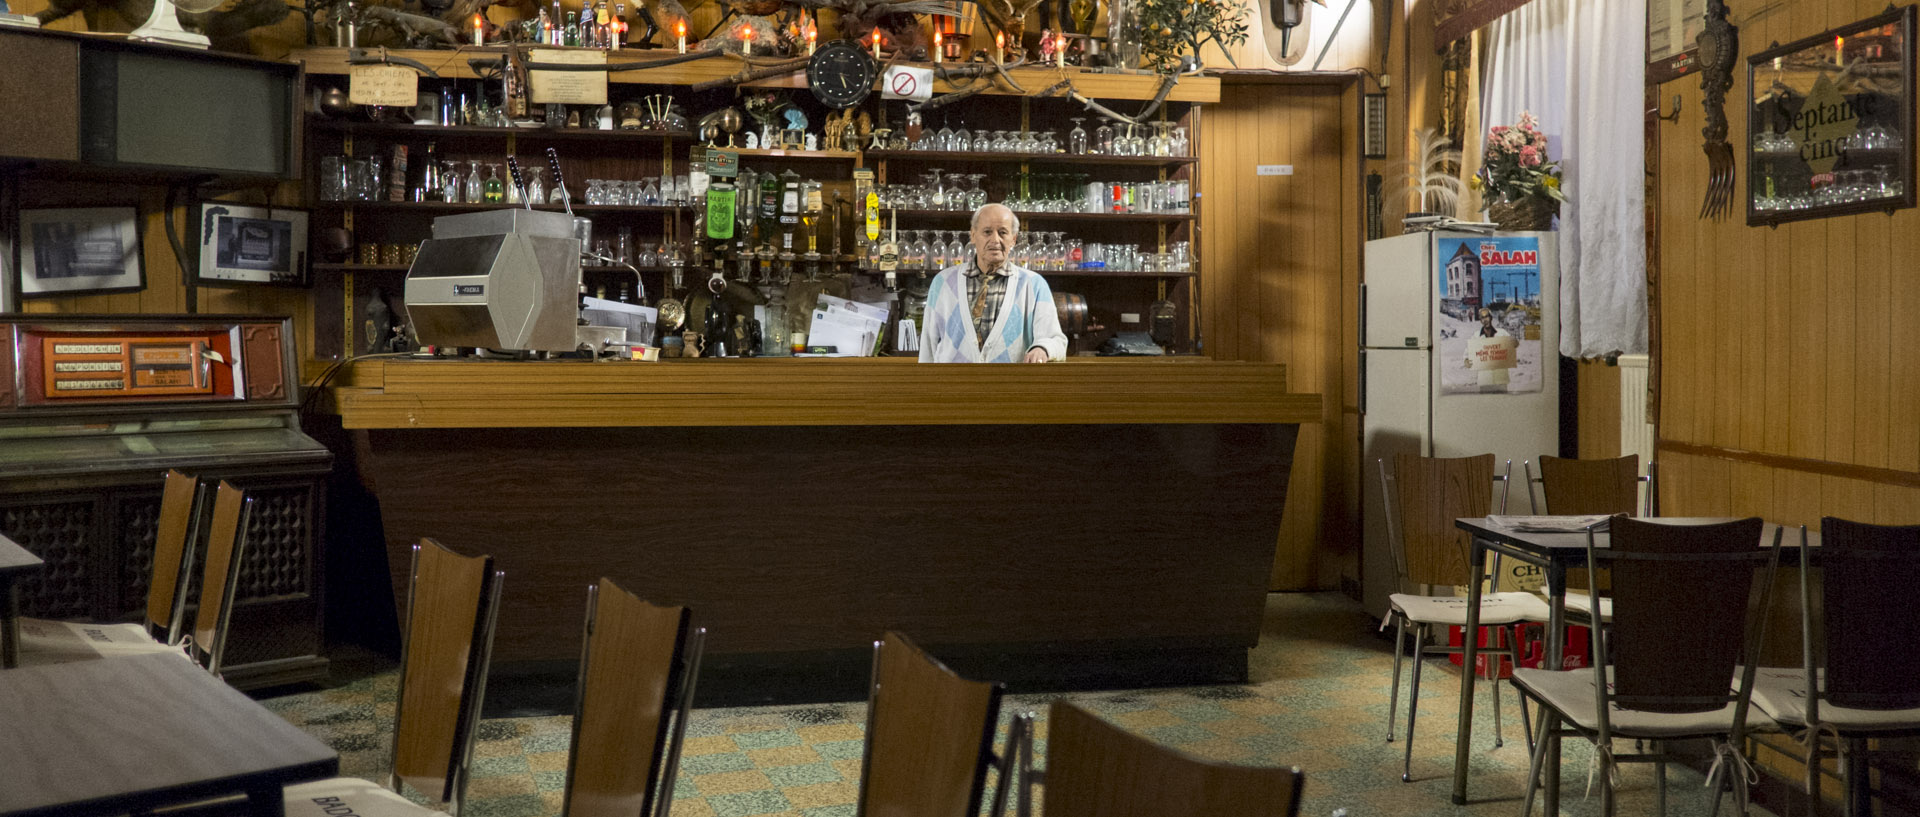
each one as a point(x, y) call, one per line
point(990, 310)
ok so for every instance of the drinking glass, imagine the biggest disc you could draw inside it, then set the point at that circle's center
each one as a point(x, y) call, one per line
point(649, 193)
point(1103, 139)
point(333, 176)
point(475, 190)
point(1077, 138)
point(596, 191)
point(495, 192)
point(943, 140)
point(982, 141)
point(450, 181)
point(936, 193)
point(649, 254)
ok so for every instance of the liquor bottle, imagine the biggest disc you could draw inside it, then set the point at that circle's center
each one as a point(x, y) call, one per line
point(430, 184)
point(555, 34)
point(769, 206)
point(602, 35)
point(789, 208)
point(626, 293)
point(571, 31)
point(810, 208)
point(584, 37)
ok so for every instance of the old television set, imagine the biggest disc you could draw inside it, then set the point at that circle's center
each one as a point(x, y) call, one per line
point(160, 109)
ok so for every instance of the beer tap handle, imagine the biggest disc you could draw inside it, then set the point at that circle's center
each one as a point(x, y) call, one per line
point(513, 172)
point(559, 181)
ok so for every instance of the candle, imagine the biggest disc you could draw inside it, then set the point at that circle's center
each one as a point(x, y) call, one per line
point(999, 46)
point(813, 36)
point(938, 56)
point(479, 30)
point(1060, 52)
point(746, 39)
point(876, 44)
point(1840, 52)
point(680, 31)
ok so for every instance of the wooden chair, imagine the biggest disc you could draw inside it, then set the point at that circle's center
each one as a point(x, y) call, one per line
point(929, 737)
point(45, 641)
point(1428, 494)
point(637, 675)
point(444, 652)
point(1592, 487)
point(1096, 769)
point(1660, 672)
point(226, 546)
point(1857, 635)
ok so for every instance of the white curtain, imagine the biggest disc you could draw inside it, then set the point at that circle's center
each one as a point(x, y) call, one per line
point(1579, 66)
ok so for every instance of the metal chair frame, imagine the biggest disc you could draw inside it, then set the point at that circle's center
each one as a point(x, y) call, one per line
point(1510, 650)
point(1606, 699)
point(688, 657)
point(1019, 738)
point(1851, 749)
point(469, 720)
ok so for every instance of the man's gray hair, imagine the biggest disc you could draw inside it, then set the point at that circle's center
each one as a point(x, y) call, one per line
point(975, 224)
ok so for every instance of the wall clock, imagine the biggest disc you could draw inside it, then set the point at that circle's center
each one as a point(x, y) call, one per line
point(841, 75)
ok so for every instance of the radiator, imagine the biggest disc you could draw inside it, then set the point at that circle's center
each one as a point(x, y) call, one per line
point(1636, 434)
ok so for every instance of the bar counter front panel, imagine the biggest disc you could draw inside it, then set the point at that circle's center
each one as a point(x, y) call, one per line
point(1033, 534)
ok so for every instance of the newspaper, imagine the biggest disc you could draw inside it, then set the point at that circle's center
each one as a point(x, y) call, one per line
point(1549, 524)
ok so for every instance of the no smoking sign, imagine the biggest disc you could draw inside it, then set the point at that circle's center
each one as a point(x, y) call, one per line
point(900, 82)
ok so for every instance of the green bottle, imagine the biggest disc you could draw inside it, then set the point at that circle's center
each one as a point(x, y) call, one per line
point(572, 30)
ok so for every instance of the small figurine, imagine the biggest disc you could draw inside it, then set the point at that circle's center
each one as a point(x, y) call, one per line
point(1046, 45)
point(796, 118)
point(753, 140)
point(879, 138)
point(811, 142)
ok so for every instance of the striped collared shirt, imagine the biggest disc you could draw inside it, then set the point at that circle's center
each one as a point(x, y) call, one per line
point(985, 291)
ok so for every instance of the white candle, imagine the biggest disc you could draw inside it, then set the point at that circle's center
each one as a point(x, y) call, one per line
point(680, 30)
point(813, 36)
point(479, 37)
point(876, 45)
point(999, 46)
point(938, 55)
point(1060, 52)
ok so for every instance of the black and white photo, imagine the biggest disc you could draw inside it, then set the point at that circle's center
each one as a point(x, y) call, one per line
point(80, 251)
point(250, 244)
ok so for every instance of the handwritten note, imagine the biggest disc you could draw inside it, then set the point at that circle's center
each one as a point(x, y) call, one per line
point(382, 85)
point(569, 87)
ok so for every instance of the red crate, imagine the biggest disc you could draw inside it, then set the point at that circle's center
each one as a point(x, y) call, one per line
point(1533, 648)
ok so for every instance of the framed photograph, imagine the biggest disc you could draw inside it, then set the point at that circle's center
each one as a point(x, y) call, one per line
point(80, 251)
point(250, 244)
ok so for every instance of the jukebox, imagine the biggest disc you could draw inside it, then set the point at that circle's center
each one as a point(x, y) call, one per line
point(94, 409)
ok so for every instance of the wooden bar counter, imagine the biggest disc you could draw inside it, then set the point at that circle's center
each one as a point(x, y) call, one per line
point(803, 506)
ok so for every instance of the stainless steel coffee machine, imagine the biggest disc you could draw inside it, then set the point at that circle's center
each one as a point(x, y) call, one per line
point(507, 280)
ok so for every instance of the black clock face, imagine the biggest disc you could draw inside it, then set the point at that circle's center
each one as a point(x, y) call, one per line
point(840, 74)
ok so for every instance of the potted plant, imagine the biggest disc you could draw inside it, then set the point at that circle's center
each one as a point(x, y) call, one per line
point(1172, 32)
point(1522, 187)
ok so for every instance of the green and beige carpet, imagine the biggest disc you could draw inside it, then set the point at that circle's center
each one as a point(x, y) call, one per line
point(1316, 699)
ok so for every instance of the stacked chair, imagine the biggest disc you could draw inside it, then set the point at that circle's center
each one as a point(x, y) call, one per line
point(1682, 627)
point(1860, 678)
point(164, 630)
point(1591, 487)
point(929, 737)
point(1424, 496)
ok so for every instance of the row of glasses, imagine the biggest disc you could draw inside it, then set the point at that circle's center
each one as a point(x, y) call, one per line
point(649, 191)
point(1171, 196)
point(1154, 139)
point(955, 191)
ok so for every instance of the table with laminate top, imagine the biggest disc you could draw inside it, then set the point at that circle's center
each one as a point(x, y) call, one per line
point(15, 564)
point(128, 734)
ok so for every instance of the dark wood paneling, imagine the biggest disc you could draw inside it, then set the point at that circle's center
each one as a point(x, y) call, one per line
point(787, 539)
point(40, 77)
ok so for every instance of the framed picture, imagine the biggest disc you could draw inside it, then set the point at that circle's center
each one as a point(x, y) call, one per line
point(1832, 122)
point(250, 244)
point(80, 251)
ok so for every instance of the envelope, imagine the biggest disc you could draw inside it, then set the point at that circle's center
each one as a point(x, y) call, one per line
point(850, 335)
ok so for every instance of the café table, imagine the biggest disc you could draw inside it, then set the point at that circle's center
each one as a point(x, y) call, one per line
point(15, 564)
point(131, 734)
point(1554, 553)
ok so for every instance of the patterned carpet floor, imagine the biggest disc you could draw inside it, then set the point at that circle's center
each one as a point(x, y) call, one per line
point(1316, 698)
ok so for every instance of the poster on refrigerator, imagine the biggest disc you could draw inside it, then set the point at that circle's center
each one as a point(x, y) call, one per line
point(1489, 317)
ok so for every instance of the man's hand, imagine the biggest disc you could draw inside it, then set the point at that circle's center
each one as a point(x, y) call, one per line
point(1037, 355)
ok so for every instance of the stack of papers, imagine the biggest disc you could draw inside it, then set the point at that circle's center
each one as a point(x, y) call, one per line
point(1548, 524)
point(850, 327)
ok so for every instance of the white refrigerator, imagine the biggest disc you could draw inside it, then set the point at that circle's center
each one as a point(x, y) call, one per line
point(1460, 339)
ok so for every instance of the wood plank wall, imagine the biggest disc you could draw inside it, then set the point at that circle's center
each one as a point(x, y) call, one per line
point(1281, 285)
point(1790, 385)
point(166, 290)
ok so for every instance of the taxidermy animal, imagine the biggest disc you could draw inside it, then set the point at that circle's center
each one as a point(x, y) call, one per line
point(226, 28)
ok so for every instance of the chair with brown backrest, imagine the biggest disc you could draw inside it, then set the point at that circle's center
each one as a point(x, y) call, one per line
point(53, 642)
point(1096, 769)
point(220, 573)
point(1858, 629)
point(1602, 487)
point(444, 652)
point(1431, 493)
point(929, 737)
point(637, 675)
point(1683, 624)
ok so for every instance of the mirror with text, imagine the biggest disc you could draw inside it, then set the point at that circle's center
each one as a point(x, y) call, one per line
point(1830, 119)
